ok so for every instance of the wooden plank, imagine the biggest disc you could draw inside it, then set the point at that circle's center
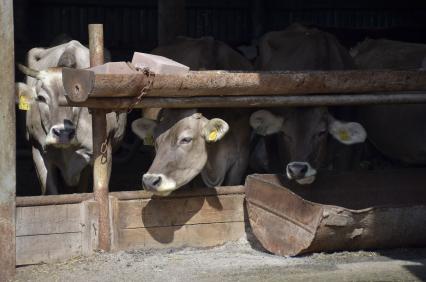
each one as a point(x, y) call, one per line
point(52, 199)
point(196, 235)
point(115, 221)
point(47, 248)
point(48, 219)
point(181, 193)
point(172, 212)
point(89, 221)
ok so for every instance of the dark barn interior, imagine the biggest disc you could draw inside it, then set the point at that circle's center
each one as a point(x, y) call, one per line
point(133, 26)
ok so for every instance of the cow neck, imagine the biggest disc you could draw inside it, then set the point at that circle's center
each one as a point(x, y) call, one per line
point(213, 173)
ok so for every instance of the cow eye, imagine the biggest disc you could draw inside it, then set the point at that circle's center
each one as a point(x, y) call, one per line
point(185, 140)
point(41, 99)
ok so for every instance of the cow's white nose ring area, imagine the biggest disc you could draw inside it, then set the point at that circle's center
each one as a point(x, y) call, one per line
point(158, 183)
point(302, 172)
point(151, 181)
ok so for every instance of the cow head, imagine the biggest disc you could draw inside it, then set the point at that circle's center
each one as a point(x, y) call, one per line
point(181, 150)
point(303, 134)
point(58, 123)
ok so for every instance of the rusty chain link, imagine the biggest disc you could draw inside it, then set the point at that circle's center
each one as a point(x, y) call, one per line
point(104, 151)
point(151, 76)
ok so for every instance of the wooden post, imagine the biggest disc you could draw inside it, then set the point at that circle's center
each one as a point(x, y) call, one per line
point(258, 19)
point(8, 143)
point(171, 20)
point(101, 145)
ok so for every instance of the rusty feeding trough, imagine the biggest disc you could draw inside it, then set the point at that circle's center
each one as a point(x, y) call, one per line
point(353, 211)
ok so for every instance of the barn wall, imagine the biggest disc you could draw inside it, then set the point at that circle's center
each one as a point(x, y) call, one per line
point(362, 14)
point(132, 25)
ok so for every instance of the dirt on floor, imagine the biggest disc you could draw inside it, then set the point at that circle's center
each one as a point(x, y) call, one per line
point(236, 261)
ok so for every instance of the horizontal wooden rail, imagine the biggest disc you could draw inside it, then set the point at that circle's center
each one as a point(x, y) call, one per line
point(253, 101)
point(29, 201)
point(187, 192)
point(52, 200)
point(81, 85)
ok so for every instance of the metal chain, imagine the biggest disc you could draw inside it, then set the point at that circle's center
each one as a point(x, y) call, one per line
point(151, 76)
point(104, 149)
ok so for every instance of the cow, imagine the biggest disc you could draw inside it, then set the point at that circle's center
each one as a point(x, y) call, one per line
point(61, 137)
point(301, 134)
point(397, 131)
point(212, 143)
point(389, 54)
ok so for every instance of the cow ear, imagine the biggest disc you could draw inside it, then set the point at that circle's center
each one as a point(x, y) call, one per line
point(144, 128)
point(24, 96)
point(22, 89)
point(347, 133)
point(266, 123)
point(215, 129)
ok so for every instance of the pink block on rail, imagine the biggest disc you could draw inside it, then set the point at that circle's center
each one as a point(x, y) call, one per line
point(158, 64)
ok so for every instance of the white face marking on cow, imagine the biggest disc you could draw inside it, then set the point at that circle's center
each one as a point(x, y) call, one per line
point(158, 183)
point(306, 171)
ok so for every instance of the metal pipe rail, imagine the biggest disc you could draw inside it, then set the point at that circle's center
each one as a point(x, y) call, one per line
point(253, 101)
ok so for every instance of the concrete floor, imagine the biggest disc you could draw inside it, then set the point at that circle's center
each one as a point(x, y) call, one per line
point(233, 262)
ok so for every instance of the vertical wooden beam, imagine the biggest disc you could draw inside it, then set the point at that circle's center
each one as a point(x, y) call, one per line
point(171, 20)
point(8, 143)
point(101, 145)
point(258, 18)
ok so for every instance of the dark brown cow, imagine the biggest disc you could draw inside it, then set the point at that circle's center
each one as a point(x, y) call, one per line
point(398, 131)
point(303, 132)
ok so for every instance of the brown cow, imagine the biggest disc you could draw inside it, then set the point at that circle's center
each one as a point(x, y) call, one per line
point(302, 132)
point(210, 142)
point(398, 131)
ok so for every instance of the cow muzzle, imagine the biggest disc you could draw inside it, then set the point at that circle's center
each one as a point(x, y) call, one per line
point(302, 172)
point(159, 184)
point(61, 136)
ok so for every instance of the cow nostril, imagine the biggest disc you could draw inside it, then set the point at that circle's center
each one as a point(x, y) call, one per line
point(71, 133)
point(151, 181)
point(297, 170)
point(156, 181)
point(56, 131)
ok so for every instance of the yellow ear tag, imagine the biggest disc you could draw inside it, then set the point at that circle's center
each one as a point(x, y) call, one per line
point(23, 104)
point(213, 135)
point(149, 140)
point(344, 135)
